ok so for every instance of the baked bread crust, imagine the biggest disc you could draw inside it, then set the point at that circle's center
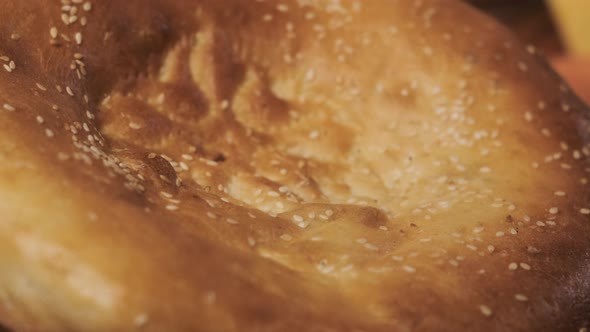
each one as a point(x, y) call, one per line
point(284, 166)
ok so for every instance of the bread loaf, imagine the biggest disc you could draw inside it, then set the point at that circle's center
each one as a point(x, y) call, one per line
point(241, 165)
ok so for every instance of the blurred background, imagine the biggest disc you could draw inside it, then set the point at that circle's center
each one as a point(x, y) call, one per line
point(559, 28)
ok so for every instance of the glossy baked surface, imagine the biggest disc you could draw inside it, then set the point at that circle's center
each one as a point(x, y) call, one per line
point(285, 165)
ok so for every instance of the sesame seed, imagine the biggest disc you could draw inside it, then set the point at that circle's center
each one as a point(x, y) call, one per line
point(211, 163)
point(528, 116)
point(282, 8)
point(310, 75)
point(314, 134)
point(41, 87)
point(297, 218)
point(521, 297)
point(211, 215)
point(49, 133)
point(553, 210)
point(183, 165)
point(251, 241)
point(408, 269)
point(40, 119)
point(78, 38)
point(565, 107)
point(140, 320)
point(485, 310)
point(232, 221)
point(512, 266)
point(69, 91)
point(584, 211)
point(525, 266)
point(559, 193)
point(9, 108)
point(87, 6)
point(531, 49)
point(371, 246)
point(53, 32)
point(532, 250)
point(563, 146)
point(7, 68)
point(171, 207)
point(92, 216)
point(286, 237)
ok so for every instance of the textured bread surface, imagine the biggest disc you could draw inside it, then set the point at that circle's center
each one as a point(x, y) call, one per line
point(242, 165)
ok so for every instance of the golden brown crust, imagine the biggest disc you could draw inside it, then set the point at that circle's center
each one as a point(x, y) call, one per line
point(286, 165)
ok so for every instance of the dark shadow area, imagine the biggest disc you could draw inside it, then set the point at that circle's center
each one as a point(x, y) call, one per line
point(531, 20)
